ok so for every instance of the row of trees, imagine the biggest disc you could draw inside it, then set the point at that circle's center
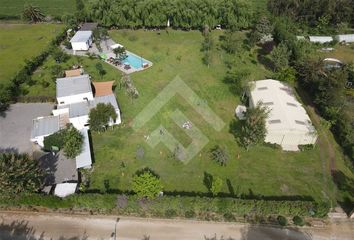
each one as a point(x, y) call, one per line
point(185, 14)
point(315, 13)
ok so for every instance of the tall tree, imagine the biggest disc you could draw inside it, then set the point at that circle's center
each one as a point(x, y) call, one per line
point(101, 116)
point(280, 56)
point(73, 141)
point(253, 128)
point(80, 10)
point(19, 173)
point(32, 14)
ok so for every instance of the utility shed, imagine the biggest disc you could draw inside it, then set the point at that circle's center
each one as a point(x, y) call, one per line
point(288, 123)
point(320, 39)
point(81, 41)
point(348, 38)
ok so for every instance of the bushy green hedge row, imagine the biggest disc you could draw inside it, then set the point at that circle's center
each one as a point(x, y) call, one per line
point(204, 208)
point(24, 74)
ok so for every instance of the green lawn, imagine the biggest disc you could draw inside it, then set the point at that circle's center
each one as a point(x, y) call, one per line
point(22, 41)
point(261, 170)
point(48, 7)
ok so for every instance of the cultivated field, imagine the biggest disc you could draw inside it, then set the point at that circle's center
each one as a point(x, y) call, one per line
point(48, 7)
point(22, 41)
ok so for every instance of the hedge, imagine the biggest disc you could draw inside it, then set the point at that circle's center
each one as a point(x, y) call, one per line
point(171, 206)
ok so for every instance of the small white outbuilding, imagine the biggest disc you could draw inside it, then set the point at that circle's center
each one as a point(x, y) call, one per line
point(320, 39)
point(348, 38)
point(287, 123)
point(81, 41)
point(65, 189)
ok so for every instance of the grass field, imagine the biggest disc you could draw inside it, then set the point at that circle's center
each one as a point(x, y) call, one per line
point(48, 7)
point(22, 41)
point(262, 170)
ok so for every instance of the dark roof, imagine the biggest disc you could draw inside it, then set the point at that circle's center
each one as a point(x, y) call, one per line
point(58, 168)
point(88, 26)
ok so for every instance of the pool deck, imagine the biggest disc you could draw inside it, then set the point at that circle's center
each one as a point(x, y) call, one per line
point(105, 46)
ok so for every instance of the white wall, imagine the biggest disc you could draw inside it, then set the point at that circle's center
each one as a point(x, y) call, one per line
point(79, 122)
point(75, 98)
point(39, 140)
point(80, 46)
point(290, 138)
point(57, 112)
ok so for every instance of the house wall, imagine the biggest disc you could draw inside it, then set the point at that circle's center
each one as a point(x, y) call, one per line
point(79, 122)
point(57, 112)
point(75, 98)
point(290, 138)
point(39, 140)
point(80, 46)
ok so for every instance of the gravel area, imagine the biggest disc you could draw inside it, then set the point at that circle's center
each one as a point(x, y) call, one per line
point(16, 123)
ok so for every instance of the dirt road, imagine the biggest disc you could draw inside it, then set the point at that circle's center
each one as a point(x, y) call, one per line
point(31, 226)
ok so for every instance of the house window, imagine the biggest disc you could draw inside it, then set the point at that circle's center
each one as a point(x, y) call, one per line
point(262, 88)
point(61, 102)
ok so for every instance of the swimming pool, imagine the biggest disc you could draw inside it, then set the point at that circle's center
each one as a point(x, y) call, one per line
point(135, 61)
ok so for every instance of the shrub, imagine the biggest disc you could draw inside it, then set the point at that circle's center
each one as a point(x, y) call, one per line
point(56, 139)
point(190, 214)
point(146, 184)
point(282, 220)
point(170, 213)
point(299, 221)
point(229, 217)
point(67, 44)
point(306, 147)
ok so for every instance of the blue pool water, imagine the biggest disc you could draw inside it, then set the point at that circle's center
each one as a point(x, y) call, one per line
point(134, 61)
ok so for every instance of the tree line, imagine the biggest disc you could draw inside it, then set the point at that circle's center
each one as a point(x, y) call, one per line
point(314, 12)
point(184, 14)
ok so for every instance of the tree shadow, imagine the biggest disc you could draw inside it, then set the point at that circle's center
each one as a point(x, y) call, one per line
point(230, 187)
point(145, 170)
point(208, 180)
point(21, 230)
point(344, 184)
point(257, 232)
point(264, 60)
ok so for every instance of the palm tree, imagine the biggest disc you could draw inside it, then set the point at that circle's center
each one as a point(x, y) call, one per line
point(32, 14)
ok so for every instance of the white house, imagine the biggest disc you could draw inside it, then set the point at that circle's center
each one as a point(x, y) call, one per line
point(81, 41)
point(73, 89)
point(348, 38)
point(42, 127)
point(287, 123)
point(75, 99)
point(320, 39)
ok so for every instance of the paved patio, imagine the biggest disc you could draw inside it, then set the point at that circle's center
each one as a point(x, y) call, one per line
point(107, 50)
point(15, 125)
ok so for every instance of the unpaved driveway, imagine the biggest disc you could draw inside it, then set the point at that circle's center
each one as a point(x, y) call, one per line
point(20, 226)
point(15, 125)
